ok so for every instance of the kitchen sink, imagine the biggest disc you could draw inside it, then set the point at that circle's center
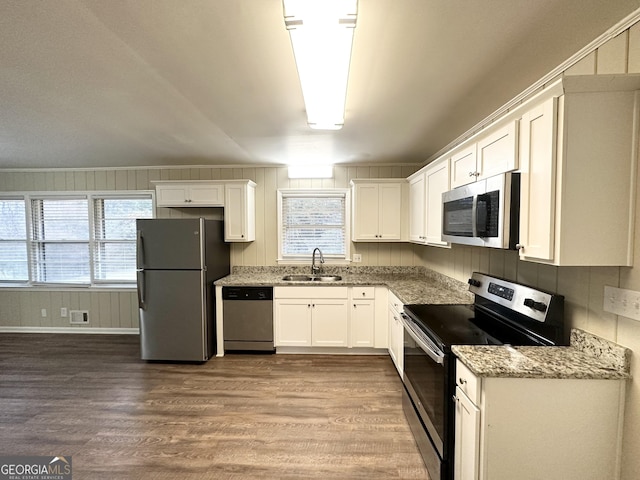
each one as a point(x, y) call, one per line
point(312, 278)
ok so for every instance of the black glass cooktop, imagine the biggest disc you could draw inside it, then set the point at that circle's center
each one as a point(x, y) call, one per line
point(450, 325)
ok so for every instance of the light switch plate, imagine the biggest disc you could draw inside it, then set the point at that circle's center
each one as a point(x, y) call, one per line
point(619, 301)
point(357, 258)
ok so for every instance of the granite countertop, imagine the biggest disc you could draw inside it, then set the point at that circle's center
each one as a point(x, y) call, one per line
point(410, 284)
point(587, 357)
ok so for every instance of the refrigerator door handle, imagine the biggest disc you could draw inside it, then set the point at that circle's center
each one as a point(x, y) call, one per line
point(141, 285)
point(140, 249)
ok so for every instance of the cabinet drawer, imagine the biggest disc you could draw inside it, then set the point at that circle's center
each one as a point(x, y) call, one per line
point(310, 292)
point(363, 292)
point(395, 302)
point(468, 382)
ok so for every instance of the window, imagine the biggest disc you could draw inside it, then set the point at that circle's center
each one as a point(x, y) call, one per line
point(115, 236)
point(13, 240)
point(79, 239)
point(60, 240)
point(310, 219)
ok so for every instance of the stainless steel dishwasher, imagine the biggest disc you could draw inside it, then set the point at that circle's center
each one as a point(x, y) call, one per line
point(248, 318)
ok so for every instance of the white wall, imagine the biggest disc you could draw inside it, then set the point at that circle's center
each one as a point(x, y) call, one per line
point(583, 287)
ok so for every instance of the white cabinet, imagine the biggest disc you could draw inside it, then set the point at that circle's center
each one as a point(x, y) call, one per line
point(363, 316)
point(377, 210)
point(437, 182)
point(537, 428)
point(311, 316)
point(425, 203)
point(189, 194)
point(417, 207)
point(578, 155)
point(492, 153)
point(240, 211)
point(396, 332)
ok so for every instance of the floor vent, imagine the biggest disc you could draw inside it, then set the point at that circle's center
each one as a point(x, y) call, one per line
point(79, 316)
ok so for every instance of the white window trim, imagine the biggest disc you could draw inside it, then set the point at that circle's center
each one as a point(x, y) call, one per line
point(304, 260)
point(90, 195)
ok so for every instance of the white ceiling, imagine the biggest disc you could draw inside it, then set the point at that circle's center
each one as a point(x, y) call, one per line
point(100, 83)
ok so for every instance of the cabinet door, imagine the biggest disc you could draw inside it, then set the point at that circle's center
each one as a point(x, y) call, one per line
point(463, 167)
point(329, 323)
point(417, 205)
point(206, 195)
point(389, 208)
point(365, 212)
point(396, 339)
point(437, 182)
point(498, 151)
point(362, 323)
point(293, 322)
point(172, 195)
point(239, 213)
point(538, 181)
point(467, 447)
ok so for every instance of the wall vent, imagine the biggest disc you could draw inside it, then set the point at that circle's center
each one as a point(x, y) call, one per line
point(79, 316)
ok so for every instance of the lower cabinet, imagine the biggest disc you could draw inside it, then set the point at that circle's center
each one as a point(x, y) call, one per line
point(311, 316)
point(337, 316)
point(396, 333)
point(537, 428)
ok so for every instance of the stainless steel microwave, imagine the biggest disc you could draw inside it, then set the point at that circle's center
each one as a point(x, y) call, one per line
point(485, 213)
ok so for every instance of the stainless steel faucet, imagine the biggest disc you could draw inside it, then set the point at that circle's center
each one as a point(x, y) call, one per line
point(316, 268)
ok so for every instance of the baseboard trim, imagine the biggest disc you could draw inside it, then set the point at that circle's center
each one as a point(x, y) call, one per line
point(95, 331)
point(332, 351)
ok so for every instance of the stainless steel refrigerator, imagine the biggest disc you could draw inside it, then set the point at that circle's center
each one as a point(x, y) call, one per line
point(178, 260)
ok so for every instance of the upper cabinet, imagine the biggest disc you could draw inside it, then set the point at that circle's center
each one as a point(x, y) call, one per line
point(378, 210)
point(578, 155)
point(425, 203)
point(240, 211)
point(491, 153)
point(236, 196)
point(189, 194)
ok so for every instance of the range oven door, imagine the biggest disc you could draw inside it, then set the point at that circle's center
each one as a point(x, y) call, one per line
point(427, 381)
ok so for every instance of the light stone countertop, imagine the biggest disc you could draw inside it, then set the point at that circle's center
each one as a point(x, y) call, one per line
point(588, 357)
point(410, 284)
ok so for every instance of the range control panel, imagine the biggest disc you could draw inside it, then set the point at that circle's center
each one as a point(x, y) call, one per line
point(533, 303)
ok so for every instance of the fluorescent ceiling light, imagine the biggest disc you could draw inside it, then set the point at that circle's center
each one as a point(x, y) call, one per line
point(321, 34)
point(310, 171)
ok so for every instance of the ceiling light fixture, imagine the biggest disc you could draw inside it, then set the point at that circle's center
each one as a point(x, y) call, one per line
point(321, 34)
point(310, 171)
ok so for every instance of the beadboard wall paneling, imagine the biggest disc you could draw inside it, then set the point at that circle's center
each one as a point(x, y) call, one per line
point(583, 287)
point(118, 309)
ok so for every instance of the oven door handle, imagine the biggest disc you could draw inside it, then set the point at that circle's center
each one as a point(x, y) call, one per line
point(436, 356)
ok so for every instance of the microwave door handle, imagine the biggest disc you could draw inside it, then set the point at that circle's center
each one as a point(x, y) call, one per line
point(474, 216)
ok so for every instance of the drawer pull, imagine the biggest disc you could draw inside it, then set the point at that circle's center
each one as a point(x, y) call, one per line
point(462, 381)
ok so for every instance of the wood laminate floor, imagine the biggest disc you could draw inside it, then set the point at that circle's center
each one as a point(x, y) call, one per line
point(236, 417)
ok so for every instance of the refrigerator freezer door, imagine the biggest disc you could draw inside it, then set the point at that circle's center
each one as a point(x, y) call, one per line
point(170, 244)
point(173, 323)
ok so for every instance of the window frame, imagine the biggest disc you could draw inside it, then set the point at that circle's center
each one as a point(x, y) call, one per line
point(10, 197)
point(316, 192)
point(93, 241)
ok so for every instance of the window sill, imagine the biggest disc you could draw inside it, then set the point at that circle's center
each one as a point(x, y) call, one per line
point(307, 261)
point(70, 288)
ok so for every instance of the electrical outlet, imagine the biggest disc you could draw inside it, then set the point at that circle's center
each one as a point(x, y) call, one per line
point(356, 258)
point(619, 301)
point(63, 312)
point(43, 312)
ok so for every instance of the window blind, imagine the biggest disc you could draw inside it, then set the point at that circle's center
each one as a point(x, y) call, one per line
point(115, 236)
point(60, 240)
point(313, 220)
point(13, 241)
